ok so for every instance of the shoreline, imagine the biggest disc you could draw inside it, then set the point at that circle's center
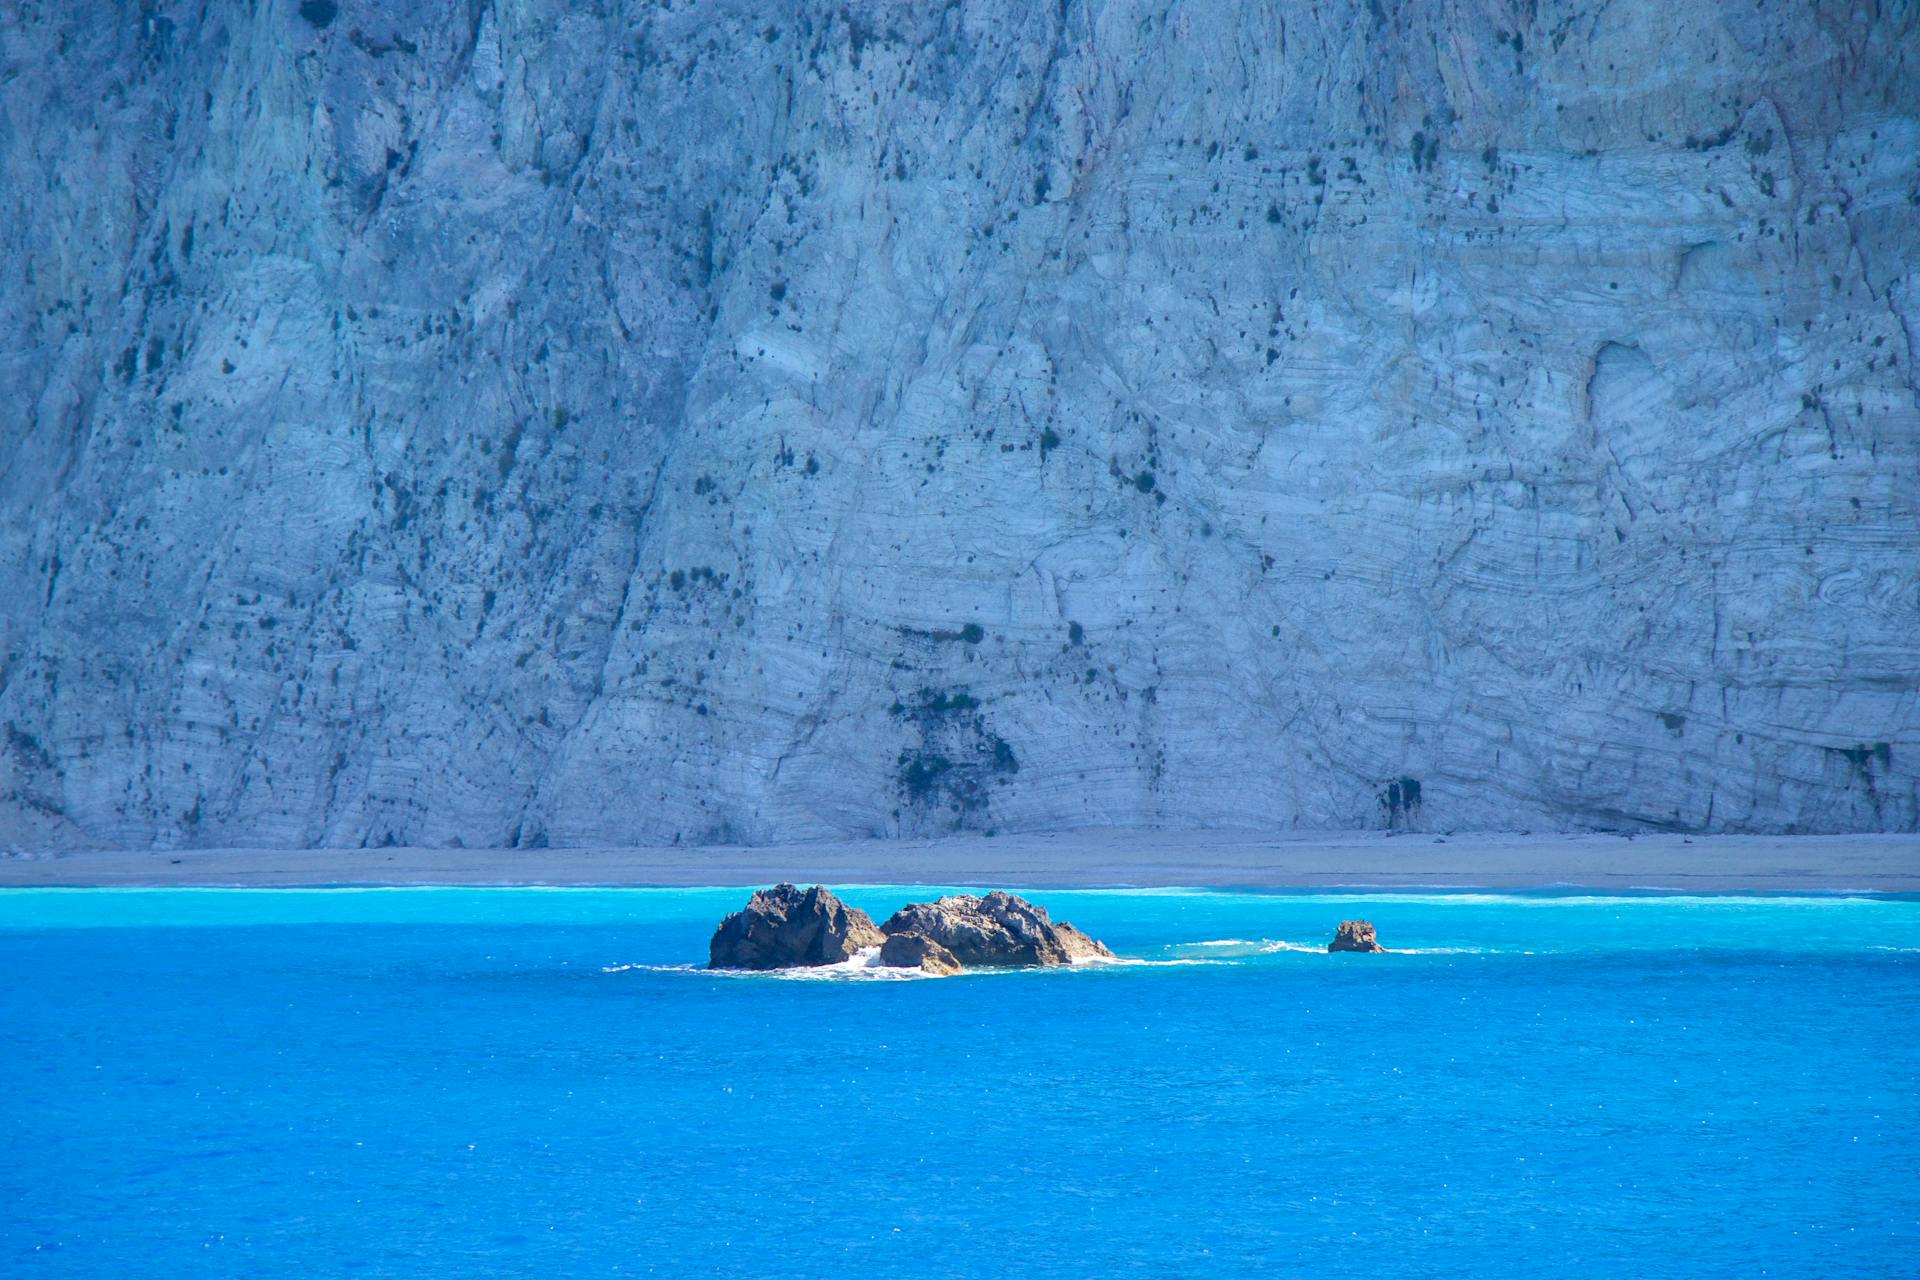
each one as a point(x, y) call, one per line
point(1086, 859)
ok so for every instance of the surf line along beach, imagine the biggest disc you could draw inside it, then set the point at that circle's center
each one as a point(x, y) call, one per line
point(1076, 859)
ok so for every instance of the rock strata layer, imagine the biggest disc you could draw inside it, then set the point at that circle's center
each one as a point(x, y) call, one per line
point(786, 927)
point(998, 930)
point(1355, 935)
point(522, 423)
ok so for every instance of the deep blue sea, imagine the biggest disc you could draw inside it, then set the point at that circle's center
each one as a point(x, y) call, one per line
point(527, 1082)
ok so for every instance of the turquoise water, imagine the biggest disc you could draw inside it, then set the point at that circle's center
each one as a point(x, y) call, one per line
point(495, 1082)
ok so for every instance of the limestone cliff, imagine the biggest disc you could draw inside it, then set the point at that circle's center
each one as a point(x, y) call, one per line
point(508, 421)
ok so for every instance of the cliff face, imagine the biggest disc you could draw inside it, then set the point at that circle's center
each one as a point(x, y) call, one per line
point(505, 422)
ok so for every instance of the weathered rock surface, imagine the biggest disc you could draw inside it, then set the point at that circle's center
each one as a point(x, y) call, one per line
point(1078, 945)
point(1355, 935)
point(913, 951)
point(787, 927)
point(998, 930)
point(520, 423)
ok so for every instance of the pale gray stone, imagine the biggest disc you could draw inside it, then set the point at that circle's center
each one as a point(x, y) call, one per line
point(532, 423)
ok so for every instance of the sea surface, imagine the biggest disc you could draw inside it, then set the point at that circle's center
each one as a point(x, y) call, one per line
point(527, 1082)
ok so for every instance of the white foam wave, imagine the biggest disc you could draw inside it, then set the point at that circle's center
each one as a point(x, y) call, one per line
point(1246, 948)
point(863, 965)
point(1140, 962)
point(1241, 948)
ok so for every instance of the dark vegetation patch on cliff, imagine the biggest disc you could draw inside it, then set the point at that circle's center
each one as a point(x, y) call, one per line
point(947, 772)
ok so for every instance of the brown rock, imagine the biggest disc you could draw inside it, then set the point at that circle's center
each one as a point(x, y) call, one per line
point(914, 951)
point(1079, 946)
point(785, 927)
point(1355, 935)
point(999, 930)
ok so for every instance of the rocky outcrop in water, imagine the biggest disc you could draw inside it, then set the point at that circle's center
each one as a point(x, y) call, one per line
point(913, 951)
point(1078, 945)
point(786, 927)
point(520, 422)
point(1355, 935)
point(998, 930)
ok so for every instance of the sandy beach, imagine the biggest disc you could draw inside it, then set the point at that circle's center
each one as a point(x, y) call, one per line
point(1092, 858)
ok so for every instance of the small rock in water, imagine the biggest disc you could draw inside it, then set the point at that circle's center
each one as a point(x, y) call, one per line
point(999, 930)
point(786, 927)
point(1355, 935)
point(916, 951)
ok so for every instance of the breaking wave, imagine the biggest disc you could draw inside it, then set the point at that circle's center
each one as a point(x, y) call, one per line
point(1136, 962)
point(1224, 949)
point(863, 966)
point(1243, 948)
